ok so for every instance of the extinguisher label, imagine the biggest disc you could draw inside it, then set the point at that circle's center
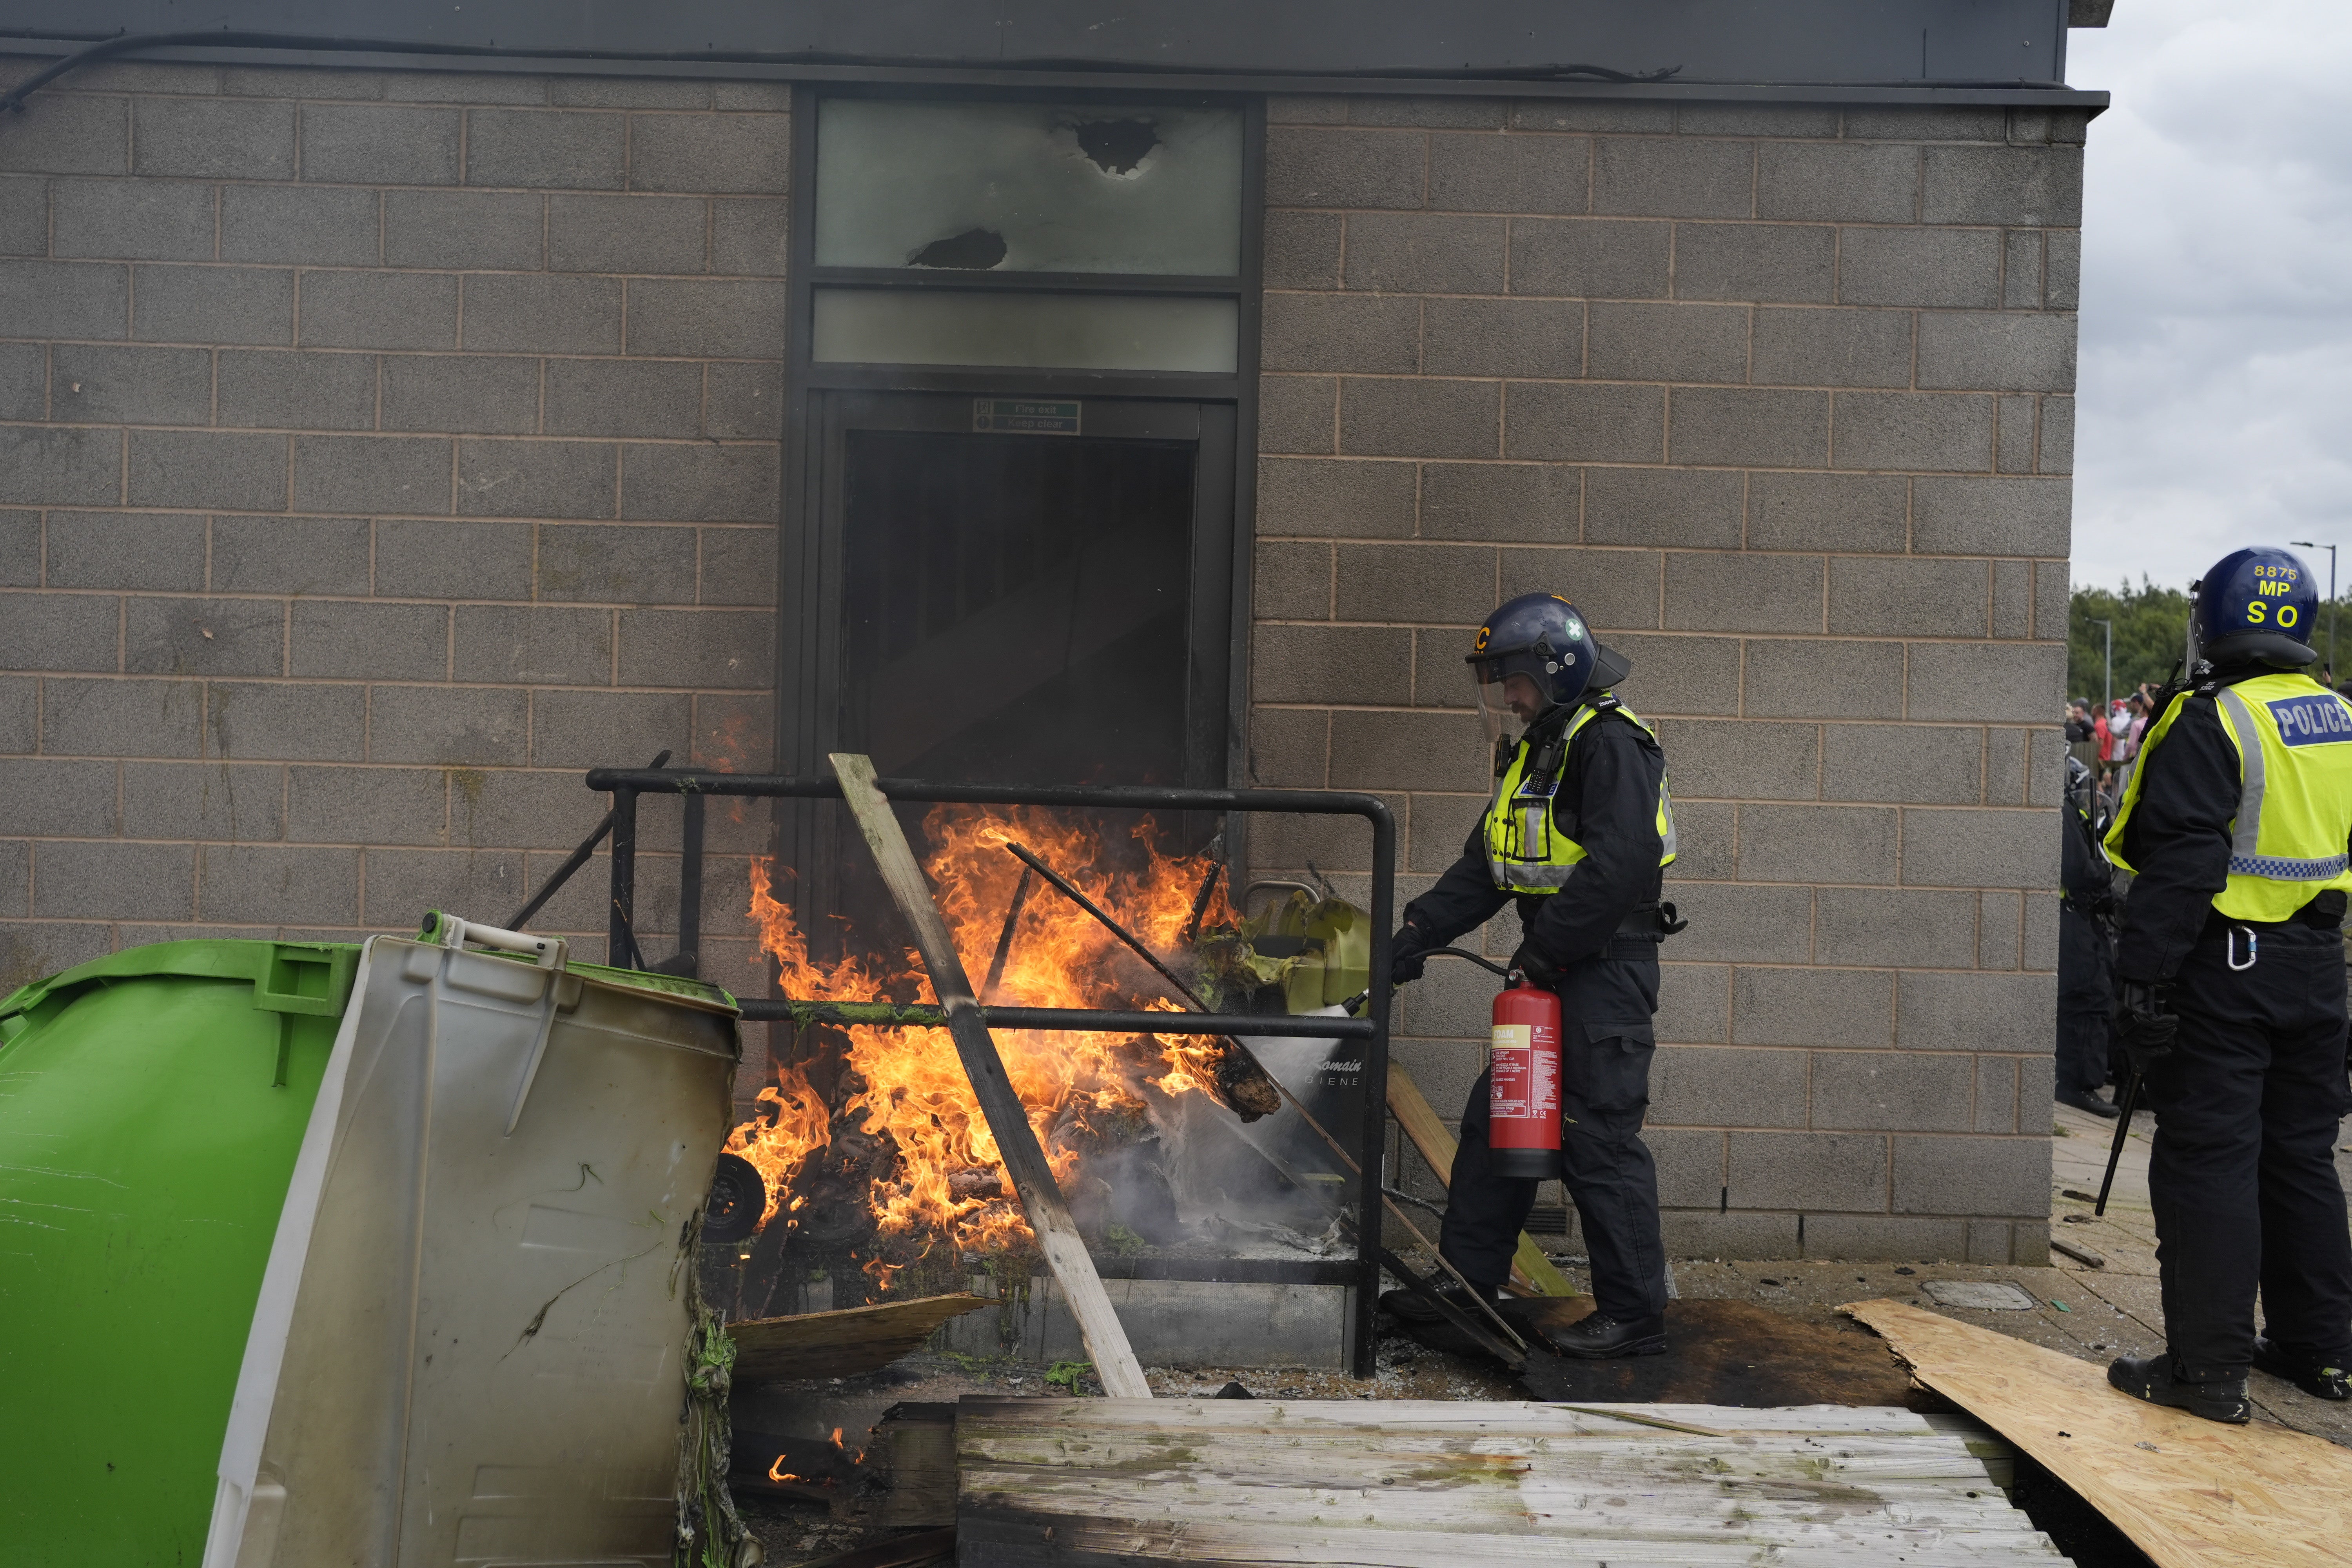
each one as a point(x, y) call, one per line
point(1514, 1067)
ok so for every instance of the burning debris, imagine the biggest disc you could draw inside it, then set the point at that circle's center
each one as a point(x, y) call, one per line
point(871, 1145)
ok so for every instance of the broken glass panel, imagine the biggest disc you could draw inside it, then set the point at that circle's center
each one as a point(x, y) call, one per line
point(1071, 332)
point(1029, 187)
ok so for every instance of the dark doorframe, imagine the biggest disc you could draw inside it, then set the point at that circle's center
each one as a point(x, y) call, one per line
point(1200, 434)
point(819, 397)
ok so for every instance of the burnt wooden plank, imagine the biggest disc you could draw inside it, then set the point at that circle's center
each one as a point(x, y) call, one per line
point(841, 1343)
point(1008, 1120)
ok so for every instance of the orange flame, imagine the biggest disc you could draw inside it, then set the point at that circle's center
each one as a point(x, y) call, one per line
point(945, 1179)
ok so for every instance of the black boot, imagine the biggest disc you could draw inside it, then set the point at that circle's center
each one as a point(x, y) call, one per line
point(2156, 1379)
point(2084, 1100)
point(1603, 1338)
point(1410, 1306)
point(2313, 1375)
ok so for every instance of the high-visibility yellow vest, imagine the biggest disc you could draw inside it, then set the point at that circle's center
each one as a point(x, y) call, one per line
point(2294, 739)
point(1525, 850)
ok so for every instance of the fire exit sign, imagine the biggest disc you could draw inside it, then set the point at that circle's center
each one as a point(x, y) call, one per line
point(1024, 417)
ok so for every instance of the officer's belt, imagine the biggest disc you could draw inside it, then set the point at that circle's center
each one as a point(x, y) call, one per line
point(2313, 916)
point(1651, 923)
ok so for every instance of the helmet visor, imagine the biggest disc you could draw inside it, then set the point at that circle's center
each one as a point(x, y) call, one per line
point(1495, 717)
point(1508, 694)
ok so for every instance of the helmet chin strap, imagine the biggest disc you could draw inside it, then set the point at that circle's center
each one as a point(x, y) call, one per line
point(1553, 713)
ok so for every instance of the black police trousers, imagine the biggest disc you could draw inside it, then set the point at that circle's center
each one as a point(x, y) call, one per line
point(1606, 1044)
point(2243, 1177)
point(2086, 1000)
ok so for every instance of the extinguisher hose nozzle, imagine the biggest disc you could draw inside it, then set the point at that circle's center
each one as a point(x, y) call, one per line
point(1482, 962)
point(1358, 1000)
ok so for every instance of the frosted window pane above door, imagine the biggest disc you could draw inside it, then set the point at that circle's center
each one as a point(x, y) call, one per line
point(1029, 187)
point(1069, 331)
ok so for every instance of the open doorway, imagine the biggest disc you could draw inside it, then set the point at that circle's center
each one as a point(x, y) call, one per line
point(1050, 603)
point(1016, 607)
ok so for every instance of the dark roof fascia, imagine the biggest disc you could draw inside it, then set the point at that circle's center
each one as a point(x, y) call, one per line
point(2054, 95)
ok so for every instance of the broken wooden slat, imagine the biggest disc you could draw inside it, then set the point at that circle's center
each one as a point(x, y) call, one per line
point(1008, 1120)
point(1421, 1483)
point(2187, 1490)
point(841, 1343)
point(2087, 1256)
point(1419, 1118)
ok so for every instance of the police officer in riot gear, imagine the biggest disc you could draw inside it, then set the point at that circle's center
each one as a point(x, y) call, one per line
point(2237, 828)
point(2085, 956)
point(1578, 834)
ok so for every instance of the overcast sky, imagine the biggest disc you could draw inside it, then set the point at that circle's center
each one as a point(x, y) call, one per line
point(2217, 311)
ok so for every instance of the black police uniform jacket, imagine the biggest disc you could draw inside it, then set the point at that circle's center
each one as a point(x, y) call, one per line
point(1608, 803)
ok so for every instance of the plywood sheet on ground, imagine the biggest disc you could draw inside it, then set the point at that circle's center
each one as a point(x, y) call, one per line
point(2187, 1490)
point(1442, 1484)
point(840, 1344)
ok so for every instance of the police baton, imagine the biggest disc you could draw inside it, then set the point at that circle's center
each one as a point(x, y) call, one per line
point(2124, 1105)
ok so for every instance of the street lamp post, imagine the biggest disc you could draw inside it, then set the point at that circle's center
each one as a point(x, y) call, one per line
point(2107, 704)
point(2308, 545)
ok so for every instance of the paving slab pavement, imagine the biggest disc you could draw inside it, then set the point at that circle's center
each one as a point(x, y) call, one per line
point(2125, 1237)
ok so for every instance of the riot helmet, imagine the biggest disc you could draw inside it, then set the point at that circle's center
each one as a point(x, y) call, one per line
point(2253, 606)
point(1535, 654)
point(2082, 784)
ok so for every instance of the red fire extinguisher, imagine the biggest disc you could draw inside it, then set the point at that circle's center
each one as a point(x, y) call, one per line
point(1523, 1085)
point(1523, 1092)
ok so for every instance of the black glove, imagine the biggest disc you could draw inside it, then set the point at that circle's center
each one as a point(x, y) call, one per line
point(2144, 1023)
point(1539, 970)
point(1408, 954)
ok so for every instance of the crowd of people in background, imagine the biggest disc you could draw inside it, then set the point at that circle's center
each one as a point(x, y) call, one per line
point(2107, 739)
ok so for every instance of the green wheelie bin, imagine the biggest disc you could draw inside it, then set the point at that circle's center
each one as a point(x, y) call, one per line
point(151, 1104)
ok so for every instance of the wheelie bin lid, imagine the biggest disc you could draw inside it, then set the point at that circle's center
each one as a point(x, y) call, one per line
point(299, 977)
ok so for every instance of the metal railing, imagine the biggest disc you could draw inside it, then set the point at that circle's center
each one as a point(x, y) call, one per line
point(627, 784)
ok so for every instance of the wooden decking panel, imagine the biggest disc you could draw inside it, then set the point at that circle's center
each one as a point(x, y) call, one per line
point(1443, 1484)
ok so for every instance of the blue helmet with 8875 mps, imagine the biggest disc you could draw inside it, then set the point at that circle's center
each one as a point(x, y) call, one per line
point(2254, 606)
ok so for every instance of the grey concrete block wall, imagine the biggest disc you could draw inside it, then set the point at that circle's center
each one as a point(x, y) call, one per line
point(381, 449)
point(1782, 398)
